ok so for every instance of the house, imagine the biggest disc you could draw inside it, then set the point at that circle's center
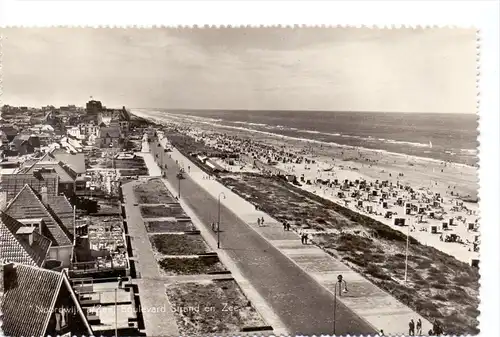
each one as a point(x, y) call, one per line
point(39, 302)
point(10, 131)
point(25, 144)
point(76, 161)
point(28, 204)
point(12, 184)
point(48, 163)
point(22, 244)
point(109, 137)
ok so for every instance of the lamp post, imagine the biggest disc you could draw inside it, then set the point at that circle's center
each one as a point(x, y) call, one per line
point(339, 282)
point(218, 218)
point(179, 177)
point(407, 245)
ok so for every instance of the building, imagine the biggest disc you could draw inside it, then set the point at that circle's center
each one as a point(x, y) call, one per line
point(21, 243)
point(41, 210)
point(76, 161)
point(110, 137)
point(94, 108)
point(12, 184)
point(39, 302)
point(48, 163)
point(25, 144)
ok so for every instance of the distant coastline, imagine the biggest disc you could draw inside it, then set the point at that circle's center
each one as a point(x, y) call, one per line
point(442, 137)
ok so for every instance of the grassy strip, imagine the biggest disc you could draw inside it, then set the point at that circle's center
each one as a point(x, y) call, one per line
point(190, 266)
point(211, 307)
point(174, 244)
point(168, 226)
point(153, 191)
point(439, 287)
point(155, 211)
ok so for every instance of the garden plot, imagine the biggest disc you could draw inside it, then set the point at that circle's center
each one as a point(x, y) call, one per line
point(172, 266)
point(211, 307)
point(169, 226)
point(153, 191)
point(178, 244)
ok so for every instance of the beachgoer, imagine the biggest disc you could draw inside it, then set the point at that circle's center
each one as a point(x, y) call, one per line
point(411, 326)
point(302, 238)
point(306, 236)
point(287, 226)
point(284, 226)
point(258, 222)
point(262, 221)
point(419, 327)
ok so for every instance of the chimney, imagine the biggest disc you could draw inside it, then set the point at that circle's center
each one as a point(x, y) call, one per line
point(44, 194)
point(7, 270)
point(3, 200)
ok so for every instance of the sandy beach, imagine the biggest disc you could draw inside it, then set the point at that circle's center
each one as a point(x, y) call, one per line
point(452, 182)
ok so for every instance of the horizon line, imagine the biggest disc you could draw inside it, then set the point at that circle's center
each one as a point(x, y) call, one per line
point(289, 110)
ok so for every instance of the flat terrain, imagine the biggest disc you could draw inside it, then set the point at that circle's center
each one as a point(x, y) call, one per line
point(190, 266)
point(169, 226)
point(178, 244)
point(211, 307)
point(439, 286)
point(153, 191)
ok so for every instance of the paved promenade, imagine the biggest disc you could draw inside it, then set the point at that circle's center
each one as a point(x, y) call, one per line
point(377, 308)
point(159, 319)
point(300, 302)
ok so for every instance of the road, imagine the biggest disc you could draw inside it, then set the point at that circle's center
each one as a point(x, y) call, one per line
point(304, 306)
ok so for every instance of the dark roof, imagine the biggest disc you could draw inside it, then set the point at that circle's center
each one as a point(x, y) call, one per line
point(27, 204)
point(9, 130)
point(111, 132)
point(46, 163)
point(76, 161)
point(29, 299)
point(61, 206)
point(14, 249)
point(14, 183)
point(27, 290)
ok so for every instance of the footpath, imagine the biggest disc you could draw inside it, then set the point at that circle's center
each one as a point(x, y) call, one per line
point(377, 307)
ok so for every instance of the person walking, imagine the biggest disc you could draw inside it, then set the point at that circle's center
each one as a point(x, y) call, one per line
point(411, 328)
point(288, 226)
point(262, 221)
point(258, 222)
point(284, 226)
point(306, 237)
point(419, 327)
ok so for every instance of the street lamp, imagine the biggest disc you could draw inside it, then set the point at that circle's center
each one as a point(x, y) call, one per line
point(218, 218)
point(180, 177)
point(407, 246)
point(340, 282)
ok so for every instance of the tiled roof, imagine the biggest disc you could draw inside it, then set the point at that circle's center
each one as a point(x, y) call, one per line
point(28, 205)
point(76, 161)
point(28, 300)
point(14, 183)
point(63, 209)
point(15, 249)
point(65, 173)
point(112, 132)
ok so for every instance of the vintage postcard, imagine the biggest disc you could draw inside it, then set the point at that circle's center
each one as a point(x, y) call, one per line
point(257, 181)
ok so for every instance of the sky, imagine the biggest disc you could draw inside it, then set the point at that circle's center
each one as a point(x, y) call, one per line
point(342, 69)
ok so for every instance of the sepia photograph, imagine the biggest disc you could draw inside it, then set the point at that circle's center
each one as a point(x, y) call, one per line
point(239, 181)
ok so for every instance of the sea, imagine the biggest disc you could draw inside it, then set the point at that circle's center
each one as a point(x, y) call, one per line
point(447, 137)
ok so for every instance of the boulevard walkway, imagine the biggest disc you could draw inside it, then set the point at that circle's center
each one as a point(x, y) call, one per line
point(365, 308)
point(303, 305)
point(158, 315)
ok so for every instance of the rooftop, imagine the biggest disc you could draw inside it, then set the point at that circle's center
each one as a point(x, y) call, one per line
point(16, 249)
